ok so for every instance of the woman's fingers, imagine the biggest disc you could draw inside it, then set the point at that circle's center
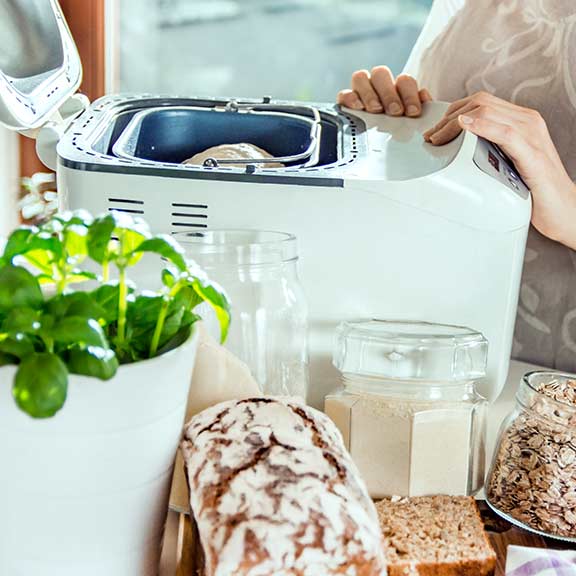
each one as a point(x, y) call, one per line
point(383, 82)
point(408, 90)
point(378, 91)
point(362, 85)
point(425, 95)
point(448, 119)
point(461, 107)
point(494, 126)
point(446, 134)
point(474, 113)
point(446, 129)
point(350, 99)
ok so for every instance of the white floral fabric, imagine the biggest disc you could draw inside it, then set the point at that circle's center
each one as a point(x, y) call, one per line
point(522, 561)
point(523, 51)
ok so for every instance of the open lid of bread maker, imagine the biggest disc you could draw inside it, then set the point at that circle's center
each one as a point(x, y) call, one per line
point(40, 68)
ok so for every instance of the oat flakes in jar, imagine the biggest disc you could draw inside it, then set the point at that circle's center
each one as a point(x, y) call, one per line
point(408, 410)
point(532, 482)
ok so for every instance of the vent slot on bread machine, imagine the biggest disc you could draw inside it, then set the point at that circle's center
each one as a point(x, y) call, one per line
point(188, 216)
point(126, 205)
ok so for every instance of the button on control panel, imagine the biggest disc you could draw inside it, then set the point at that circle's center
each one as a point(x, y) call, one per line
point(491, 160)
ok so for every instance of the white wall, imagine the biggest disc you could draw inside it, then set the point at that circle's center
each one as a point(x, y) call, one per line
point(9, 180)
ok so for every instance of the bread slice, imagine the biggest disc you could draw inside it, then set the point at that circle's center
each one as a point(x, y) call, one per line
point(435, 536)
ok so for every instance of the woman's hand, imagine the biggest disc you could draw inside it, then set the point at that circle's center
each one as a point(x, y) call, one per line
point(378, 91)
point(523, 135)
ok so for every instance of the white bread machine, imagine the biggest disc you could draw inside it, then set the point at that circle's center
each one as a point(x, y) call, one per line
point(388, 226)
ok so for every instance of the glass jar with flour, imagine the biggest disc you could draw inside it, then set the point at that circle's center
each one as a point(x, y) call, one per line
point(408, 410)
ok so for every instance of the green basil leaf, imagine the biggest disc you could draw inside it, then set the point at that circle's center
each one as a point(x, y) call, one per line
point(17, 243)
point(131, 232)
point(144, 310)
point(99, 237)
point(45, 279)
point(79, 276)
point(186, 297)
point(41, 385)
point(165, 246)
point(7, 359)
point(93, 361)
point(76, 304)
point(47, 322)
point(75, 242)
point(142, 317)
point(177, 340)
point(131, 239)
point(47, 243)
point(78, 330)
point(19, 346)
point(42, 260)
point(171, 326)
point(215, 296)
point(189, 318)
point(19, 289)
point(21, 320)
point(82, 305)
point(168, 279)
point(107, 297)
point(30, 242)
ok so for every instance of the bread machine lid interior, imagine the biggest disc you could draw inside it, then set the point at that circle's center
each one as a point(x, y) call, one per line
point(40, 68)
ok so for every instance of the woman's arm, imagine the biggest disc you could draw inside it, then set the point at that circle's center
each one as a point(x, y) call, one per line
point(523, 135)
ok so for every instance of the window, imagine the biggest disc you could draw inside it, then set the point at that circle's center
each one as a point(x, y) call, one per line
point(287, 49)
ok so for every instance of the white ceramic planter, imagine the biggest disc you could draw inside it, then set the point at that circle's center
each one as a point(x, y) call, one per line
point(86, 492)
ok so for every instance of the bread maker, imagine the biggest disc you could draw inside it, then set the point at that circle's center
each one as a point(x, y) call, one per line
point(388, 226)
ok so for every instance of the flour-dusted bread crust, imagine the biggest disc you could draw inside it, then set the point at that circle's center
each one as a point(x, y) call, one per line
point(435, 536)
point(240, 151)
point(274, 493)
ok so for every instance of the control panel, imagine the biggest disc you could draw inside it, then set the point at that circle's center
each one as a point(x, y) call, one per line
point(491, 160)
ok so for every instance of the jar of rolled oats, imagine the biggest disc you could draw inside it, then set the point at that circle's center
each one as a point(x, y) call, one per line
point(532, 481)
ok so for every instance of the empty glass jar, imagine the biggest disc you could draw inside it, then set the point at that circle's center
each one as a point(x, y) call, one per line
point(532, 481)
point(259, 272)
point(409, 411)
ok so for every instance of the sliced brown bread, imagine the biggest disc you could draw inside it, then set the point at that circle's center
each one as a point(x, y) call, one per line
point(435, 536)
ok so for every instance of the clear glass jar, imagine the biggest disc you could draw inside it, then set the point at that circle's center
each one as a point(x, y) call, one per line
point(532, 480)
point(269, 314)
point(409, 411)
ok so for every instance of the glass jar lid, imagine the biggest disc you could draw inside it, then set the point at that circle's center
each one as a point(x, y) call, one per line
point(237, 248)
point(408, 350)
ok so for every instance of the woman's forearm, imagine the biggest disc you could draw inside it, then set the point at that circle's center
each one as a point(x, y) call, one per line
point(558, 220)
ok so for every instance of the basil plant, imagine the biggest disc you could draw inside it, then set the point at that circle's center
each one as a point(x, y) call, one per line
point(49, 330)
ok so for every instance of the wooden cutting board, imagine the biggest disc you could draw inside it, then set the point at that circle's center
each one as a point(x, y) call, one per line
point(502, 534)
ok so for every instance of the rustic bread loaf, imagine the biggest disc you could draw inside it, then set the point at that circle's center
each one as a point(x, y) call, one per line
point(240, 151)
point(435, 536)
point(274, 493)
